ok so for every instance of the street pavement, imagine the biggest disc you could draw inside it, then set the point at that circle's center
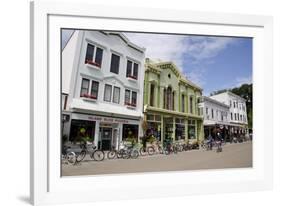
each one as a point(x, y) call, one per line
point(233, 156)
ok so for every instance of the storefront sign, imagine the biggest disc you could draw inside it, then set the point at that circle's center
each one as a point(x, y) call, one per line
point(107, 119)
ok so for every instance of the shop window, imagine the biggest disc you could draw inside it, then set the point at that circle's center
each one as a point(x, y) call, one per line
point(94, 55)
point(82, 129)
point(115, 61)
point(154, 128)
point(191, 129)
point(107, 93)
point(116, 95)
point(130, 132)
point(180, 129)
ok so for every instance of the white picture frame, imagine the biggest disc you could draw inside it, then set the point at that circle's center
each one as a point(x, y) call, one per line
point(46, 184)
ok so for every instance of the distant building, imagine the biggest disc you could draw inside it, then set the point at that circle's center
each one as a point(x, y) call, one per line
point(102, 87)
point(237, 112)
point(171, 103)
point(216, 117)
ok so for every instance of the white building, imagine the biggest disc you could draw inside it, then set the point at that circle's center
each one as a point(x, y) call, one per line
point(102, 87)
point(237, 111)
point(216, 116)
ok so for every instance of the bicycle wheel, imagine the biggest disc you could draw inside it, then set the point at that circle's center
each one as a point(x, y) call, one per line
point(135, 154)
point(81, 156)
point(71, 157)
point(126, 154)
point(120, 153)
point(150, 150)
point(98, 155)
point(160, 150)
point(111, 154)
point(143, 152)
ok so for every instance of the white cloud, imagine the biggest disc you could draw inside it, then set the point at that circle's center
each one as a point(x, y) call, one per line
point(177, 47)
point(161, 46)
point(243, 80)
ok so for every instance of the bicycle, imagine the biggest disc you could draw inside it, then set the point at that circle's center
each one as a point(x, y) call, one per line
point(97, 155)
point(153, 149)
point(68, 157)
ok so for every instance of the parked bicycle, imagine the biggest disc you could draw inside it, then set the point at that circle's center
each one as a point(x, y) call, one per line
point(155, 148)
point(68, 156)
point(97, 155)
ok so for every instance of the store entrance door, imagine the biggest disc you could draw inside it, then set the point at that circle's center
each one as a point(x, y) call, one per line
point(106, 138)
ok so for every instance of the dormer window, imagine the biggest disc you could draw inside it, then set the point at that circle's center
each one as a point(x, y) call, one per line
point(94, 55)
point(132, 70)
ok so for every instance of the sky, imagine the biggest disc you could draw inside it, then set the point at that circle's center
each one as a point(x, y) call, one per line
point(211, 62)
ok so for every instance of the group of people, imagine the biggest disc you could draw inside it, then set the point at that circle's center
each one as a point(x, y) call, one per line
point(218, 138)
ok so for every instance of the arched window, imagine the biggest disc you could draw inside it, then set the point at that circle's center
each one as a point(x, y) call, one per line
point(169, 98)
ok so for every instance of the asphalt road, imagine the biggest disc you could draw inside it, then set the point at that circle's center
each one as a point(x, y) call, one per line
point(233, 156)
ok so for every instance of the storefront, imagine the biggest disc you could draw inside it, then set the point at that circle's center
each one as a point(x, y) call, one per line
point(173, 127)
point(154, 125)
point(105, 132)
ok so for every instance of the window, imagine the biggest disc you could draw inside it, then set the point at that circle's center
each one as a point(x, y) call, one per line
point(230, 103)
point(180, 129)
point(130, 131)
point(116, 95)
point(231, 116)
point(127, 97)
point(212, 114)
point(128, 100)
point(115, 61)
point(207, 110)
point(132, 69)
point(84, 87)
point(169, 98)
point(190, 104)
point(94, 90)
point(134, 99)
point(94, 55)
point(240, 117)
point(182, 103)
point(191, 129)
point(107, 93)
point(152, 87)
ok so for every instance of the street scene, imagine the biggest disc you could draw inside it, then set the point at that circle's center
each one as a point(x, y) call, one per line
point(148, 102)
point(233, 156)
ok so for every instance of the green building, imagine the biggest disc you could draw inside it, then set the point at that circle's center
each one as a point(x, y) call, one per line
point(171, 101)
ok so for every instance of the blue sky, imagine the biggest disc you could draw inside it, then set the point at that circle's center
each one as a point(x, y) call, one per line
point(212, 62)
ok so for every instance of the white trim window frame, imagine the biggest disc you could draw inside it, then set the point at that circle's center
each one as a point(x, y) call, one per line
point(134, 71)
point(89, 94)
point(91, 57)
point(130, 97)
